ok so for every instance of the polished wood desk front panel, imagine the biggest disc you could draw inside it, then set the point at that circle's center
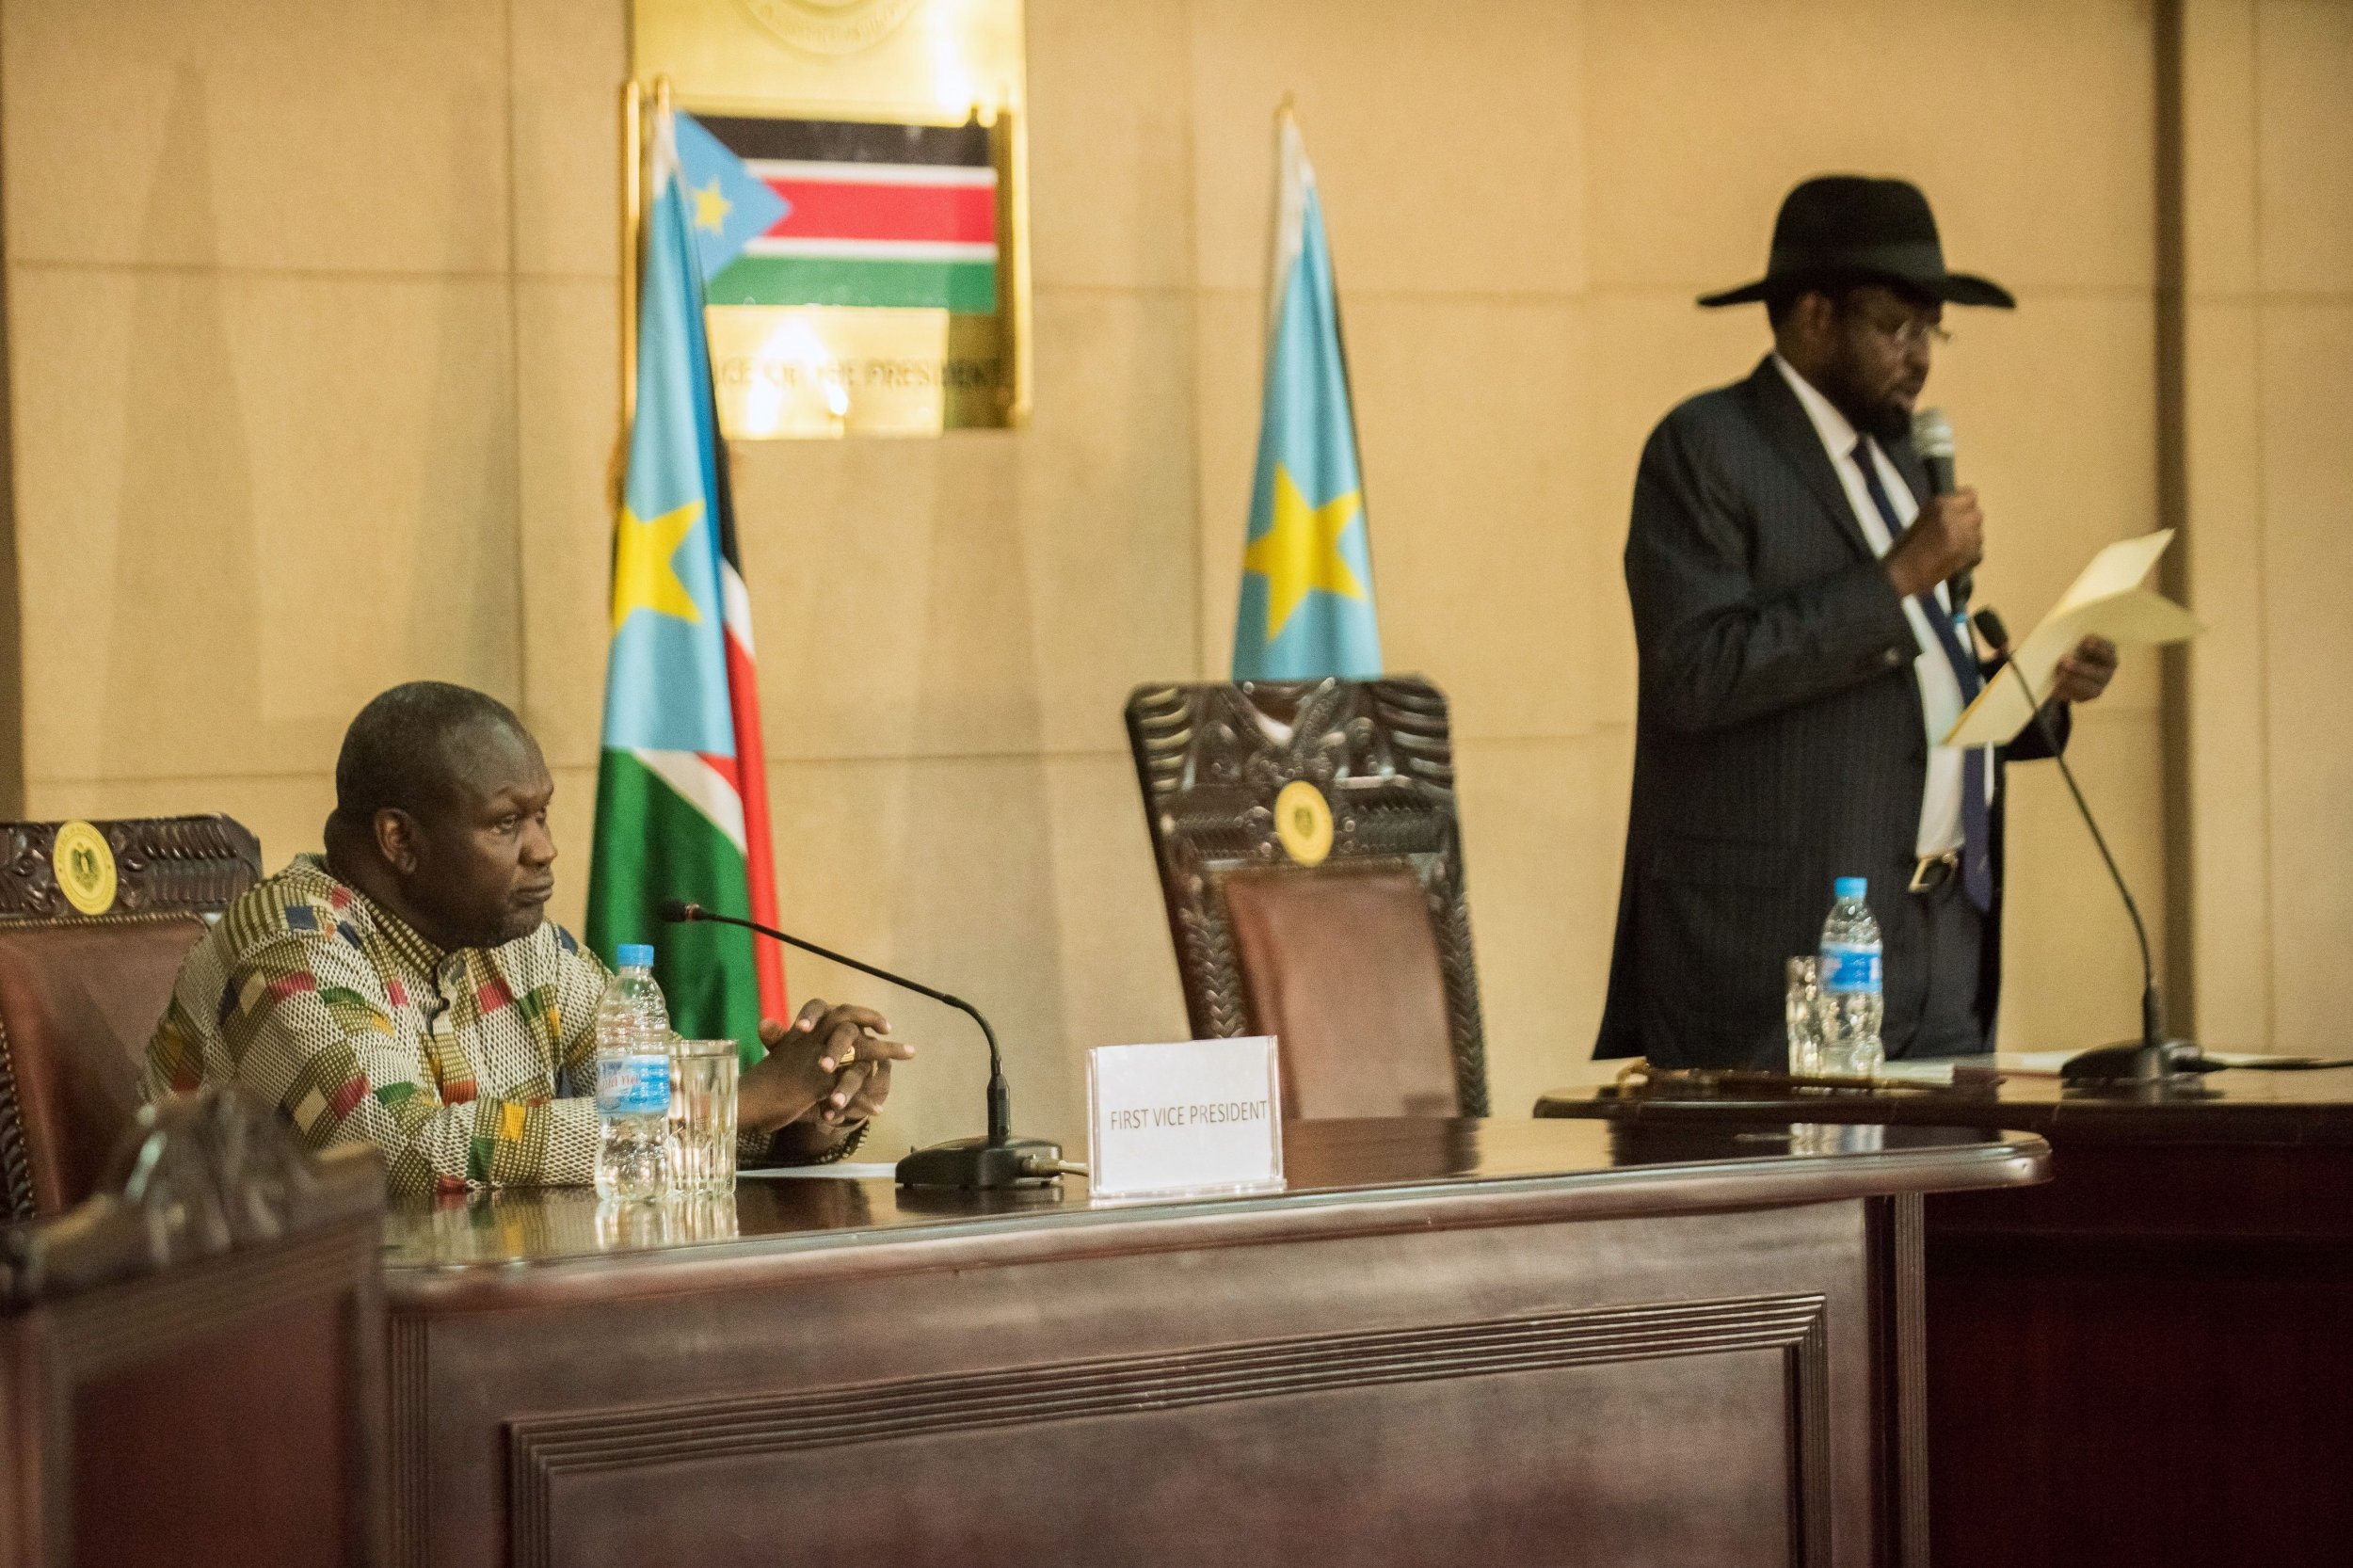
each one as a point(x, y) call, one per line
point(2150, 1359)
point(1448, 1341)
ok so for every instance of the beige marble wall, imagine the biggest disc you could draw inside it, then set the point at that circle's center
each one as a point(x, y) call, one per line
point(313, 326)
point(2269, 182)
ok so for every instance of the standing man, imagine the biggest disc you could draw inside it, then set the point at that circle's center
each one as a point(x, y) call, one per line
point(1799, 607)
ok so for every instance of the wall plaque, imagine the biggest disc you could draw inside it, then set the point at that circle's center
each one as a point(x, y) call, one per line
point(864, 175)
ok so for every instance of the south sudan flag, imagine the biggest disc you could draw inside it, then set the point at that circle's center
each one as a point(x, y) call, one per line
point(873, 215)
point(682, 785)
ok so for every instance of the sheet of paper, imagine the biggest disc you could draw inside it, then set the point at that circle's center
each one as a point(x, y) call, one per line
point(2046, 1063)
point(2031, 1063)
point(847, 1170)
point(2105, 601)
point(1915, 1072)
point(2117, 570)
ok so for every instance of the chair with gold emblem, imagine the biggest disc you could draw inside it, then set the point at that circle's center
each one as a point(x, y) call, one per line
point(1312, 866)
point(95, 917)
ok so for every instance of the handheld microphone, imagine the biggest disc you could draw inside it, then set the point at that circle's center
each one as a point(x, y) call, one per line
point(2151, 1057)
point(999, 1158)
point(1932, 439)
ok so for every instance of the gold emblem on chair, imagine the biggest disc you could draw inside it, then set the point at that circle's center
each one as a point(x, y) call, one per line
point(1303, 820)
point(86, 866)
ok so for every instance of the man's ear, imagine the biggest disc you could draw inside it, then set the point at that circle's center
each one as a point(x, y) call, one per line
point(397, 839)
point(1817, 315)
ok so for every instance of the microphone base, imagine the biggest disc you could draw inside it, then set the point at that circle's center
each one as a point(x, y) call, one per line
point(2136, 1061)
point(976, 1164)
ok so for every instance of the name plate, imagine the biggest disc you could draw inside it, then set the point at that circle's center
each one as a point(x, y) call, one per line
point(1204, 1116)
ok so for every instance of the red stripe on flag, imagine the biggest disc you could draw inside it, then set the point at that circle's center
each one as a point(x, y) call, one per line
point(759, 856)
point(825, 209)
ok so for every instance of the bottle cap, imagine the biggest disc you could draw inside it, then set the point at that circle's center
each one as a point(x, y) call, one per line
point(1848, 886)
point(635, 955)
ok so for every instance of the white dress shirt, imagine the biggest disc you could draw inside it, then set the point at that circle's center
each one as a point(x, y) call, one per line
point(1940, 688)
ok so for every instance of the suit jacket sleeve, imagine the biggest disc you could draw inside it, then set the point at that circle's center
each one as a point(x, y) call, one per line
point(1716, 649)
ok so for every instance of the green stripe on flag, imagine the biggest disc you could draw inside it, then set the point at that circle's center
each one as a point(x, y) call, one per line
point(967, 287)
point(651, 845)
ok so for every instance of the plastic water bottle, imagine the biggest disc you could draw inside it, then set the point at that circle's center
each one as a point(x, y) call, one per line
point(1854, 997)
point(634, 1155)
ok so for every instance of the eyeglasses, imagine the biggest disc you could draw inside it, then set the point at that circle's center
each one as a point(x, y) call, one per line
point(1910, 333)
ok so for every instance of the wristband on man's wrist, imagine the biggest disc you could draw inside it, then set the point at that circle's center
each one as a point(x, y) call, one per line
point(843, 1150)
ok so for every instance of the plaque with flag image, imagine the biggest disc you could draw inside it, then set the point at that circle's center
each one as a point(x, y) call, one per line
point(855, 272)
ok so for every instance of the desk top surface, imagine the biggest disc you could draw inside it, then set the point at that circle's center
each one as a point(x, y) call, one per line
point(2235, 1106)
point(1344, 1177)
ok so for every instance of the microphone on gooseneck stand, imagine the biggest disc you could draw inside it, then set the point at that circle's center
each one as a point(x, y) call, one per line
point(997, 1159)
point(2153, 1058)
point(1932, 439)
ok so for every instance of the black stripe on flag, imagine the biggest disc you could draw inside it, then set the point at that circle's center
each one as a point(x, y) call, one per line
point(850, 141)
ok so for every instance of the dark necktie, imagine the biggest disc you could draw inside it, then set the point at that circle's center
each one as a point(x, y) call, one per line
point(1977, 823)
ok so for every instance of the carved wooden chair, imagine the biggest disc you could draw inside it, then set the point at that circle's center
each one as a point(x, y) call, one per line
point(95, 918)
point(1312, 866)
point(191, 1361)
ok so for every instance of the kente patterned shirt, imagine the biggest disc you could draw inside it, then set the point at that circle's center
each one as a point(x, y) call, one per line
point(469, 1068)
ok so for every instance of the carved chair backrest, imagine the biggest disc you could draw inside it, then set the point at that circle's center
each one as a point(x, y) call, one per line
point(1312, 861)
point(191, 1361)
point(95, 918)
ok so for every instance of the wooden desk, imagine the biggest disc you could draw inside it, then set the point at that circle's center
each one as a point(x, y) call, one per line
point(1449, 1341)
point(2149, 1360)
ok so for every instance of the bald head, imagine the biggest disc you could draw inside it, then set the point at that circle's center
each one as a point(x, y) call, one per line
point(440, 813)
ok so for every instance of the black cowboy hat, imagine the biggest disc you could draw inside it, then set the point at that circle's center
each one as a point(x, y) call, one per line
point(1841, 227)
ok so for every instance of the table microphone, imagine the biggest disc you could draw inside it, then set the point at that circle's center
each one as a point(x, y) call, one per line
point(2151, 1057)
point(999, 1158)
point(1932, 439)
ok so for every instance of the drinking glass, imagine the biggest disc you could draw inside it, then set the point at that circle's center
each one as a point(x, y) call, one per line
point(1801, 1011)
point(702, 1114)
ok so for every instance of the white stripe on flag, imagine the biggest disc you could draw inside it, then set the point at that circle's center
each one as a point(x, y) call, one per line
point(737, 602)
point(870, 174)
point(701, 786)
point(876, 250)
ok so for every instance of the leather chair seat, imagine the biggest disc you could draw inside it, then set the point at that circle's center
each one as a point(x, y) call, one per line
point(1342, 969)
point(78, 1004)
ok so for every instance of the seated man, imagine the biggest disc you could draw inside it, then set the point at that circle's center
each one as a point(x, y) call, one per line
point(406, 988)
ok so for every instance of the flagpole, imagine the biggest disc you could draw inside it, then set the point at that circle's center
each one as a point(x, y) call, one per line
point(1286, 119)
point(1014, 130)
point(633, 219)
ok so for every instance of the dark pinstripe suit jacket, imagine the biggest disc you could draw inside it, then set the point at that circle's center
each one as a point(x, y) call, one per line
point(1780, 741)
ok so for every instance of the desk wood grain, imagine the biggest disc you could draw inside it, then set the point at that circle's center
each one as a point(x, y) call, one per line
point(1448, 1341)
point(2148, 1360)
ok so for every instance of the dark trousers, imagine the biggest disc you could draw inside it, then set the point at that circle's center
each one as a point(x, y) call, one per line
point(1952, 936)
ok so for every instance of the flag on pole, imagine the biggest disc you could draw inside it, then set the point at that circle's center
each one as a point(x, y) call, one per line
point(681, 791)
point(1307, 585)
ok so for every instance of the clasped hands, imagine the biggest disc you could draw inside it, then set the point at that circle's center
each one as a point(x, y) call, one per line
point(828, 1069)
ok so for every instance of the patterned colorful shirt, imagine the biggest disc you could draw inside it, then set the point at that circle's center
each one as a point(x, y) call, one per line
point(469, 1068)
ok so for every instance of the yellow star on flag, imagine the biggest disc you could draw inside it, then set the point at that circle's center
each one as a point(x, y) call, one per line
point(711, 208)
point(643, 578)
point(1301, 550)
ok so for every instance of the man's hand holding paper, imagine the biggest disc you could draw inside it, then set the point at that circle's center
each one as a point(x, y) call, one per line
point(2084, 673)
point(2071, 655)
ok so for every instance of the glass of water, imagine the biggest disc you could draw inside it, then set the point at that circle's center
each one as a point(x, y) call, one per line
point(1801, 1011)
point(702, 1114)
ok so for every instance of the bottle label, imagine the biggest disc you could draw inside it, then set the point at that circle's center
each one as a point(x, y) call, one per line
point(1849, 968)
point(633, 1085)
